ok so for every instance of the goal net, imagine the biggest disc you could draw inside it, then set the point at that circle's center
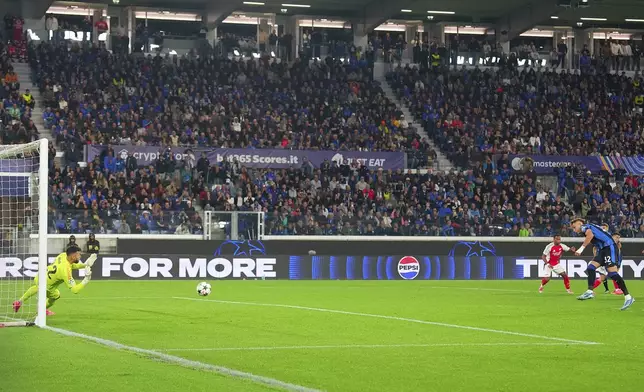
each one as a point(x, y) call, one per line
point(23, 229)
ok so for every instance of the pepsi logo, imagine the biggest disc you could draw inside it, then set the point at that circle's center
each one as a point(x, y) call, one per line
point(408, 267)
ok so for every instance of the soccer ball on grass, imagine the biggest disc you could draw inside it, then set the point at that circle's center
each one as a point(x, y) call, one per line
point(204, 289)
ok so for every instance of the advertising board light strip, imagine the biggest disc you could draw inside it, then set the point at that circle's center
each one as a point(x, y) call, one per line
point(483, 266)
point(333, 268)
point(366, 262)
point(428, 267)
point(467, 268)
point(390, 267)
point(499, 268)
point(451, 265)
point(315, 268)
point(351, 261)
point(295, 268)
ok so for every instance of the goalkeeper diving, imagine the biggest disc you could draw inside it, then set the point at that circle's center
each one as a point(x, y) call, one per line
point(61, 272)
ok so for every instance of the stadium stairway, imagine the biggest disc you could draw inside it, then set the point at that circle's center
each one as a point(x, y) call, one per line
point(24, 78)
point(443, 162)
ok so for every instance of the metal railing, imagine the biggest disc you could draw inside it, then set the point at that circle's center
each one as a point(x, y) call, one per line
point(233, 225)
point(124, 222)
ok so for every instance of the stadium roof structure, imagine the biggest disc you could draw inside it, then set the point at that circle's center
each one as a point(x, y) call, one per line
point(509, 16)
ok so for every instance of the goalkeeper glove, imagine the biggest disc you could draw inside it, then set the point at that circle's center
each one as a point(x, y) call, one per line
point(88, 274)
point(90, 260)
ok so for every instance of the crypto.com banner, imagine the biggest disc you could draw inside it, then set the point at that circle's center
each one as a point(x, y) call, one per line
point(261, 158)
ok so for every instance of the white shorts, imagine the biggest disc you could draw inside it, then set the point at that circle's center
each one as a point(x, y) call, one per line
point(549, 269)
point(602, 271)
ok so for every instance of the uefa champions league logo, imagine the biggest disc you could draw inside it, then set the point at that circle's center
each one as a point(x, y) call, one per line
point(472, 249)
point(241, 248)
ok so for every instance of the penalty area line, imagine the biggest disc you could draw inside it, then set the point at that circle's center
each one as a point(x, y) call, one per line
point(350, 346)
point(380, 316)
point(271, 382)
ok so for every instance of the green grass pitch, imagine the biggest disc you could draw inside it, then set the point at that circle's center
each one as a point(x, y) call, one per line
point(386, 336)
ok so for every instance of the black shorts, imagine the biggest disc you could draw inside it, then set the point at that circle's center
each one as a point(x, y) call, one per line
point(607, 257)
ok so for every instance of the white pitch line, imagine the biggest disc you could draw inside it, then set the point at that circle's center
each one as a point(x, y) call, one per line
point(188, 363)
point(380, 316)
point(349, 346)
point(109, 298)
point(480, 289)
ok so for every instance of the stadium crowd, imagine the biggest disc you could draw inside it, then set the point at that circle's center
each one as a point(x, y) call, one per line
point(96, 97)
point(16, 125)
point(93, 96)
point(337, 199)
point(513, 110)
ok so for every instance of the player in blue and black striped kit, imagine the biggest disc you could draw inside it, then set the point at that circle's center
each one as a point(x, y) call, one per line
point(607, 256)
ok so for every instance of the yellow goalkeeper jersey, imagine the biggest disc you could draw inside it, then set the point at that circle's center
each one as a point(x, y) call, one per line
point(61, 272)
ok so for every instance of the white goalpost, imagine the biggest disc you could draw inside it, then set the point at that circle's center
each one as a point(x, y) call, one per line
point(24, 195)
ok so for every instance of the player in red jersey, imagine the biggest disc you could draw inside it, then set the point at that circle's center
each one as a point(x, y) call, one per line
point(551, 256)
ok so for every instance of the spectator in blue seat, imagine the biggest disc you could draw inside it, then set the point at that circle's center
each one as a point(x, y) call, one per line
point(109, 162)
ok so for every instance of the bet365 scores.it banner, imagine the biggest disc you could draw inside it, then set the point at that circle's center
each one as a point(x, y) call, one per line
point(259, 158)
point(386, 267)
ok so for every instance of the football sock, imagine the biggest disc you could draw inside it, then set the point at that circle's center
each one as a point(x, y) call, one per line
point(31, 291)
point(597, 283)
point(616, 285)
point(592, 274)
point(566, 280)
point(606, 284)
point(617, 278)
point(544, 281)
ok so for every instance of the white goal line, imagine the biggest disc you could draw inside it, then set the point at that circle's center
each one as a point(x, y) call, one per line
point(270, 382)
point(6, 321)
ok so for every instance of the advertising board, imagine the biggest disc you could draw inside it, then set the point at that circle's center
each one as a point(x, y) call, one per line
point(335, 259)
point(468, 247)
point(307, 267)
point(160, 267)
point(261, 158)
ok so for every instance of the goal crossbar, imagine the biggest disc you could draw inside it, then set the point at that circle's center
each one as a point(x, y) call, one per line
point(15, 150)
